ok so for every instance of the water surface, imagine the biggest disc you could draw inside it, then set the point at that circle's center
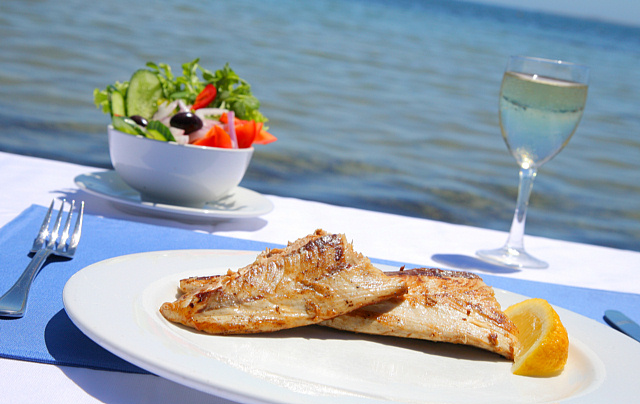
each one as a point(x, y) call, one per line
point(390, 107)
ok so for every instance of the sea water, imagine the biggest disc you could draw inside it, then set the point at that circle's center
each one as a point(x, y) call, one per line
point(383, 105)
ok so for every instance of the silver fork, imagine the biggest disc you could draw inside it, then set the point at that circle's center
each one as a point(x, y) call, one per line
point(14, 302)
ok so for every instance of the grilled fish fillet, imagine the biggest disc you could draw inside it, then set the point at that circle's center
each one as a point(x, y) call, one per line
point(446, 306)
point(315, 278)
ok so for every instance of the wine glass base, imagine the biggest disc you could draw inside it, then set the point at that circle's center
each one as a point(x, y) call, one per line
point(512, 257)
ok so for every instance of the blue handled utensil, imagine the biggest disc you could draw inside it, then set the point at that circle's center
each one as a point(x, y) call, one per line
point(622, 323)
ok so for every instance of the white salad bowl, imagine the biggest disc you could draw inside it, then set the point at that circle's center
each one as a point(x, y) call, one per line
point(175, 174)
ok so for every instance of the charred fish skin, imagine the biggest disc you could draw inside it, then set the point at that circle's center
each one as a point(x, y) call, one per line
point(314, 278)
point(440, 305)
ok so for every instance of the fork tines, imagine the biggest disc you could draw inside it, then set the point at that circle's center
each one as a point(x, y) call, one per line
point(51, 238)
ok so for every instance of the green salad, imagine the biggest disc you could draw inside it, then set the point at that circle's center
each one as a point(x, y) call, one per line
point(215, 109)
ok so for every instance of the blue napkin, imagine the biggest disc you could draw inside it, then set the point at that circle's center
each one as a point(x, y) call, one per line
point(46, 334)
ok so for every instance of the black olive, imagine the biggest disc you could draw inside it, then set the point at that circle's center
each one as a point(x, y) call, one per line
point(139, 120)
point(186, 121)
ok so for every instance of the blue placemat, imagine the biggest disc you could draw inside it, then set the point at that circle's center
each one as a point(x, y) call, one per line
point(46, 334)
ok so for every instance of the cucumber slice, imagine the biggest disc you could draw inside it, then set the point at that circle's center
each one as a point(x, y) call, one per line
point(126, 125)
point(157, 130)
point(143, 94)
point(117, 102)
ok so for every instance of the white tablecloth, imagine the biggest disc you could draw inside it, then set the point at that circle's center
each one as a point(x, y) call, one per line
point(26, 180)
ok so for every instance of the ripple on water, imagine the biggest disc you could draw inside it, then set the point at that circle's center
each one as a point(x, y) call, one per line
point(384, 106)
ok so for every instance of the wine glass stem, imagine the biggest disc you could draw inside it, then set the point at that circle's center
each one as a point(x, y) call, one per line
point(516, 235)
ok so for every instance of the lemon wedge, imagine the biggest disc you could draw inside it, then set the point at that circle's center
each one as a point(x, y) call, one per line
point(544, 342)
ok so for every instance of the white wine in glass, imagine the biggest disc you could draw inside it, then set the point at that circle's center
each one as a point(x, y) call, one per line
point(541, 104)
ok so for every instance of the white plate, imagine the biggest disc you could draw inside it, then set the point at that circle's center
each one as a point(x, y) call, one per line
point(115, 302)
point(242, 203)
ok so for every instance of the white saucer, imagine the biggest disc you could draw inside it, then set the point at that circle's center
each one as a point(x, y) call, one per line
point(242, 203)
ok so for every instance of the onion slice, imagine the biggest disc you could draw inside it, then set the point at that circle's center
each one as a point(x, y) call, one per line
point(231, 129)
point(165, 111)
point(183, 107)
point(203, 113)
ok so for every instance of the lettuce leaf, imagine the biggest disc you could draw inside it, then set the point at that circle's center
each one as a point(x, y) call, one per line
point(234, 93)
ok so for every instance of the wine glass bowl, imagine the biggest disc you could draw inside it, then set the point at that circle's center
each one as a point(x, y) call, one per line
point(541, 104)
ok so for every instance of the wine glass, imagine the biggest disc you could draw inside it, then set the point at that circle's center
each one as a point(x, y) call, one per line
point(541, 104)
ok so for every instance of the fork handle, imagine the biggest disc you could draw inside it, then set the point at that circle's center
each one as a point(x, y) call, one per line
point(14, 302)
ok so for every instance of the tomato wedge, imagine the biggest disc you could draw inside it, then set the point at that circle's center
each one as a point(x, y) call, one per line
point(246, 132)
point(216, 137)
point(264, 137)
point(206, 97)
point(249, 132)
